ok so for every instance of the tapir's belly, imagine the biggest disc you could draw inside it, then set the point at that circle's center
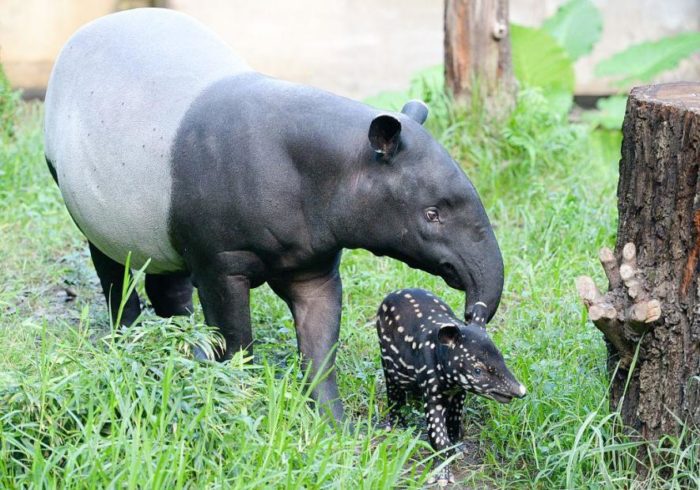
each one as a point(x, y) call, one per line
point(116, 96)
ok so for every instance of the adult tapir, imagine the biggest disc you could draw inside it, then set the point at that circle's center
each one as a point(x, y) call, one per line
point(166, 146)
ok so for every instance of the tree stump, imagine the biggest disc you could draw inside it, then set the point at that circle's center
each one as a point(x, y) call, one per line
point(650, 315)
point(477, 53)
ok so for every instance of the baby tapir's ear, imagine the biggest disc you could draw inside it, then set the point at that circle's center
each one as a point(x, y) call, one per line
point(448, 334)
point(384, 135)
point(416, 110)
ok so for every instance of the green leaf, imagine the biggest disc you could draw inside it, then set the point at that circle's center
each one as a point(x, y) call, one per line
point(642, 62)
point(576, 26)
point(539, 61)
point(609, 114)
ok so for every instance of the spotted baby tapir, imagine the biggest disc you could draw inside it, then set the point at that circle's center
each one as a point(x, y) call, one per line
point(430, 354)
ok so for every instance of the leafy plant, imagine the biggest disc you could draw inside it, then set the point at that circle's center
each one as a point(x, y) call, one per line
point(427, 84)
point(576, 26)
point(609, 114)
point(638, 63)
point(642, 62)
point(543, 57)
point(539, 61)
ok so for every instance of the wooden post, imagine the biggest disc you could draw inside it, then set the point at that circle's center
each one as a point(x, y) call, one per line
point(653, 302)
point(477, 53)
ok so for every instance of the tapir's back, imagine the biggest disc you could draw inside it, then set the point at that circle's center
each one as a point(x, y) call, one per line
point(116, 96)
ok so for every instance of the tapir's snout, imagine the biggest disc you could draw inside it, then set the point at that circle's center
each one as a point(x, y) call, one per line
point(504, 393)
point(451, 276)
point(479, 273)
point(516, 388)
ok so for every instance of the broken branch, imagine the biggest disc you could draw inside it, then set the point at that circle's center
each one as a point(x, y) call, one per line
point(612, 272)
point(587, 290)
point(620, 320)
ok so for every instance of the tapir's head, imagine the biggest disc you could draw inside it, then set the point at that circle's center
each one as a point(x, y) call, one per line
point(418, 206)
point(469, 358)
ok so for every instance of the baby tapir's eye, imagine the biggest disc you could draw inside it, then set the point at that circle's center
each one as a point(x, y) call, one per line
point(432, 215)
point(477, 371)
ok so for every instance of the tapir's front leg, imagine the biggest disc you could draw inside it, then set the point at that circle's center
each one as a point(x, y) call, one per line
point(436, 415)
point(226, 304)
point(455, 404)
point(316, 305)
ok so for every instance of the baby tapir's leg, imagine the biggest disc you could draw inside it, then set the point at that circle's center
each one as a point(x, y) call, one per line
point(454, 416)
point(436, 415)
point(111, 276)
point(396, 395)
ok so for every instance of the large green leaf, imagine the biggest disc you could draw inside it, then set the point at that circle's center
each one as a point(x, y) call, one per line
point(576, 26)
point(642, 62)
point(539, 61)
point(609, 114)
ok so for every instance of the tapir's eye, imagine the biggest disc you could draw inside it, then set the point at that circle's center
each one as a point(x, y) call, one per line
point(431, 214)
point(477, 371)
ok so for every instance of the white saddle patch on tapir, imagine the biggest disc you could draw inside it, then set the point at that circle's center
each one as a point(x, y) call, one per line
point(114, 102)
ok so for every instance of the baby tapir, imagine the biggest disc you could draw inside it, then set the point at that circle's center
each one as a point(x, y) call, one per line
point(428, 353)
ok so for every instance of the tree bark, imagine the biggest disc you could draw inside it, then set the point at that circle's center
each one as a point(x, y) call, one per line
point(477, 53)
point(651, 313)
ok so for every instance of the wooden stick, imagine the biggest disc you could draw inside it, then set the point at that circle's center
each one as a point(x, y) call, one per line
point(641, 315)
point(628, 269)
point(629, 254)
point(607, 259)
point(602, 311)
point(635, 290)
point(587, 290)
point(614, 333)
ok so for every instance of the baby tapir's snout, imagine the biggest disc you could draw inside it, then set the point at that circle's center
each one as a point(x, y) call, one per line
point(428, 352)
point(466, 352)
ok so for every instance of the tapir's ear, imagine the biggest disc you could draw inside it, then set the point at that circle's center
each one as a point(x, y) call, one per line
point(416, 110)
point(448, 334)
point(384, 135)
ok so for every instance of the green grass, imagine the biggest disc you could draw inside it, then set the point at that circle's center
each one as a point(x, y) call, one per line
point(78, 410)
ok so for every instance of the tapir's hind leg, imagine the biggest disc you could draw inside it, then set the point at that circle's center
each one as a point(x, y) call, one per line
point(111, 276)
point(170, 295)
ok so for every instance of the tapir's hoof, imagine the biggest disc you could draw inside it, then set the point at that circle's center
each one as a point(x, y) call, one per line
point(201, 354)
point(460, 450)
point(442, 478)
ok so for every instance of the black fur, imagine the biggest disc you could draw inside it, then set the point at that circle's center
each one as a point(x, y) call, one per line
point(111, 275)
